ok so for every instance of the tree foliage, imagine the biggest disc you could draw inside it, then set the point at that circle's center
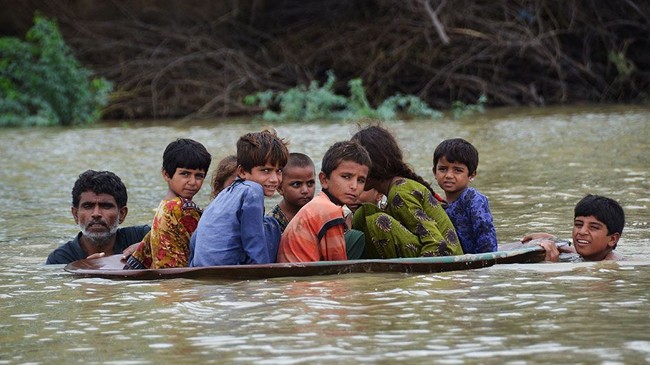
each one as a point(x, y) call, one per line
point(42, 83)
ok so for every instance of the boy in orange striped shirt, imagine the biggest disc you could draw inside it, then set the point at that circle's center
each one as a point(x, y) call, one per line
point(316, 232)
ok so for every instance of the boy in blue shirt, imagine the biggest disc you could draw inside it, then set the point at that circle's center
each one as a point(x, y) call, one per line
point(454, 167)
point(233, 229)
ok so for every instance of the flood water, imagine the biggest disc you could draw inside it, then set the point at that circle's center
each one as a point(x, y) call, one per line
point(535, 165)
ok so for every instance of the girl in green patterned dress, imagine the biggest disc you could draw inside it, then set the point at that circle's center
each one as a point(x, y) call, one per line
point(414, 222)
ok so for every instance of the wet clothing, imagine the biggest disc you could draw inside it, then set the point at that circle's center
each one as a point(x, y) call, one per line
point(279, 216)
point(414, 223)
point(72, 251)
point(316, 233)
point(168, 242)
point(471, 216)
point(233, 229)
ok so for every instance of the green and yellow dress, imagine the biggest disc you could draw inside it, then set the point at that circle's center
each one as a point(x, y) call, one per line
point(413, 224)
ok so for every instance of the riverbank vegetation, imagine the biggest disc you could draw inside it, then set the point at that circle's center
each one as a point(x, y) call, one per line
point(42, 83)
point(202, 59)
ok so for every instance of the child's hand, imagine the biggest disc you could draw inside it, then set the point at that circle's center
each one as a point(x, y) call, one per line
point(552, 253)
point(129, 251)
point(537, 235)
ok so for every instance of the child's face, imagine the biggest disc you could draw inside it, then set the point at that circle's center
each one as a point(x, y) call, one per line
point(346, 182)
point(269, 176)
point(590, 238)
point(298, 185)
point(185, 182)
point(452, 177)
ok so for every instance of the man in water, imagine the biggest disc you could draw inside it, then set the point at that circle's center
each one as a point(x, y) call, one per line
point(98, 207)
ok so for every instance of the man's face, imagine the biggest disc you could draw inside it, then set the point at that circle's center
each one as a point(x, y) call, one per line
point(590, 238)
point(98, 215)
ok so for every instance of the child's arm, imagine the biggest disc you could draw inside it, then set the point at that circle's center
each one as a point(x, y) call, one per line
point(253, 235)
point(331, 241)
point(482, 224)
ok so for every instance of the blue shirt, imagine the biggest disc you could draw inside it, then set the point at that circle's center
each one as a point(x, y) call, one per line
point(233, 229)
point(471, 216)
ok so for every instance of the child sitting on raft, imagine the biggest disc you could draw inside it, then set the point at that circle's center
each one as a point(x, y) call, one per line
point(297, 188)
point(233, 229)
point(414, 222)
point(185, 164)
point(317, 231)
point(454, 167)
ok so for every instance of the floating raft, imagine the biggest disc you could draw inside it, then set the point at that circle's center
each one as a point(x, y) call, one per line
point(111, 267)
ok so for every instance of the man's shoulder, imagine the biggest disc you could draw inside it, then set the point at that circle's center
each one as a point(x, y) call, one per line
point(66, 253)
point(133, 231)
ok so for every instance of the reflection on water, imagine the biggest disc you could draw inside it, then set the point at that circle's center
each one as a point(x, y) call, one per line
point(535, 164)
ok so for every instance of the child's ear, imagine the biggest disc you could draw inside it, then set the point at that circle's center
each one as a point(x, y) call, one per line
point(165, 175)
point(472, 176)
point(323, 180)
point(241, 172)
point(613, 240)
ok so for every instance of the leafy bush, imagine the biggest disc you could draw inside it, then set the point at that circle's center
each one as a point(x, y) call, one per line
point(461, 109)
point(41, 82)
point(321, 103)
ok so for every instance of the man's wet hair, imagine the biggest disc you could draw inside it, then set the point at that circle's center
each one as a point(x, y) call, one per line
point(99, 182)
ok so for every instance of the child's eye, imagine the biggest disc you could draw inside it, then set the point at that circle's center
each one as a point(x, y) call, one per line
point(295, 184)
point(310, 183)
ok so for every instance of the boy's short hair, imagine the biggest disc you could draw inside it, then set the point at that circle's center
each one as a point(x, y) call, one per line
point(185, 153)
point(260, 148)
point(604, 209)
point(297, 159)
point(457, 150)
point(99, 182)
point(344, 151)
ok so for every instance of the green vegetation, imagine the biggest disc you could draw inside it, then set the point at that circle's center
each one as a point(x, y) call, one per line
point(316, 102)
point(461, 109)
point(41, 82)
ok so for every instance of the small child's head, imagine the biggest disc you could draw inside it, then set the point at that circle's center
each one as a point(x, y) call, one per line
point(261, 157)
point(597, 226)
point(454, 164)
point(371, 196)
point(344, 171)
point(298, 180)
point(185, 164)
point(224, 175)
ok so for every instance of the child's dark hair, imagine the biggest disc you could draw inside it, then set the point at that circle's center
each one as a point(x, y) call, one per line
point(386, 156)
point(185, 153)
point(297, 159)
point(457, 150)
point(225, 168)
point(99, 182)
point(344, 151)
point(260, 148)
point(604, 209)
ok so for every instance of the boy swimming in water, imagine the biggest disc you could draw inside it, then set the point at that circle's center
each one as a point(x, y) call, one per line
point(597, 226)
